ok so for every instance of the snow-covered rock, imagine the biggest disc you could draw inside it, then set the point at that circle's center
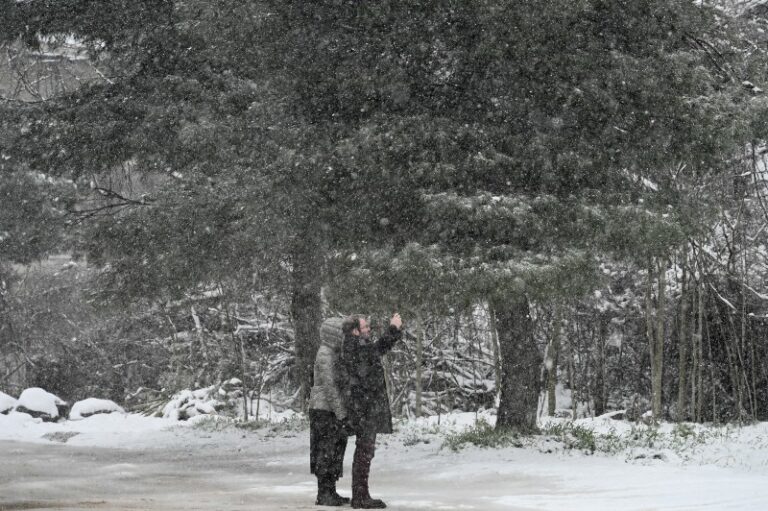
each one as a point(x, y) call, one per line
point(7, 403)
point(39, 403)
point(92, 406)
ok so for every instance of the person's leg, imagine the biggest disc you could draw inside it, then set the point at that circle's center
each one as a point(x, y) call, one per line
point(365, 448)
point(337, 467)
point(323, 439)
point(315, 435)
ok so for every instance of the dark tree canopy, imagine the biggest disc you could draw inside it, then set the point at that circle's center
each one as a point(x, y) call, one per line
point(501, 144)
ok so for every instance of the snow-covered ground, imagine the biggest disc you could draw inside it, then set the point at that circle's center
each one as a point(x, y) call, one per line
point(120, 461)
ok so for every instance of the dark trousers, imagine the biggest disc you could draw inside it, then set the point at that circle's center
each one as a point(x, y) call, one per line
point(365, 448)
point(327, 444)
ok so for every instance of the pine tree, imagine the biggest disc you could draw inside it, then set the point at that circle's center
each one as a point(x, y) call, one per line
point(508, 142)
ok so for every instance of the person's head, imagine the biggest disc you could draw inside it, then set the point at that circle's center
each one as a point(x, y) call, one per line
point(356, 325)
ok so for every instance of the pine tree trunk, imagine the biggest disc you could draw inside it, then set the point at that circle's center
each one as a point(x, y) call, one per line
point(682, 388)
point(657, 363)
point(306, 310)
point(520, 366)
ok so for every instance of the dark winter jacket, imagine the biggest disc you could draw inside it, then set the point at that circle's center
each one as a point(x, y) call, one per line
point(365, 388)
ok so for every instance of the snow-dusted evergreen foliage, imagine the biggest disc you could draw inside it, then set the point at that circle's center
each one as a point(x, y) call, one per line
point(556, 192)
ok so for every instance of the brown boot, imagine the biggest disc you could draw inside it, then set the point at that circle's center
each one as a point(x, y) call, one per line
point(361, 468)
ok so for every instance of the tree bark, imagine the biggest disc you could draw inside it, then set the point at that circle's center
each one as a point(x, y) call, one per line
point(600, 394)
point(682, 388)
point(306, 310)
point(572, 375)
point(420, 337)
point(649, 318)
point(495, 343)
point(657, 362)
point(520, 365)
point(552, 359)
point(697, 355)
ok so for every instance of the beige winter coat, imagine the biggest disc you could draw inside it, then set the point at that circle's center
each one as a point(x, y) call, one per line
point(325, 394)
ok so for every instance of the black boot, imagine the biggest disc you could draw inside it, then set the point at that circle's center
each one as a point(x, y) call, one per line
point(361, 468)
point(326, 493)
point(344, 500)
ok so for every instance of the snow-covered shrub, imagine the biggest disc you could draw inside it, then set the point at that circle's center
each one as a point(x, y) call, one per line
point(288, 422)
point(225, 398)
point(231, 388)
point(189, 403)
point(212, 423)
point(637, 407)
point(580, 438)
point(92, 406)
point(7, 403)
point(40, 403)
point(482, 434)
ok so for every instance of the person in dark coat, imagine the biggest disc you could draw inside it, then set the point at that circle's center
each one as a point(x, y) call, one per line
point(327, 436)
point(366, 398)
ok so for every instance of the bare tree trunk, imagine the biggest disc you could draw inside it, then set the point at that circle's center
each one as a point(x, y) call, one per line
point(495, 343)
point(733, 369)
point(199, 376)
point(649, 319)
point(572, 376)
point(243, 373)
point(582, 371)
point(753, 381)
point(697, 352)
point(745, 349)
point(422, 332)
point(712, 382)
point(520, 365)
point(239, 346)
point(599, 334)
point(553, 352)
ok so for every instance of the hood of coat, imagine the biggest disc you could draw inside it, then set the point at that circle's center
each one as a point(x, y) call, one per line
point(330, 333)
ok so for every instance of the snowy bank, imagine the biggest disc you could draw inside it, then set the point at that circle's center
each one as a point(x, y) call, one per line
point(39, 403)
point(632, 467)
point(100, 430)
point(7, 403)
point(93, 406)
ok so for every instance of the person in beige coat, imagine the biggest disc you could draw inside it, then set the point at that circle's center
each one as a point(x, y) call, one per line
point(327, 413)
